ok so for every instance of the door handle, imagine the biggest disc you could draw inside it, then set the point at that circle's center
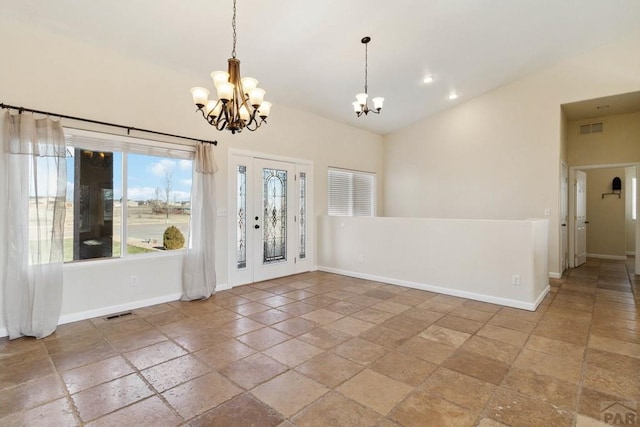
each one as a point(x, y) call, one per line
point(256, 226)
point(256, 218)
point(586, 222)
point(564, 225)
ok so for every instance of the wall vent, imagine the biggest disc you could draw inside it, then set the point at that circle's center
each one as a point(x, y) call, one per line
point(591, 128)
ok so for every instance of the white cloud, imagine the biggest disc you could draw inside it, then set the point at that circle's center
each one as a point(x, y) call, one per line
point(162, 167)
point(143, 193)
point(186, 182)
point(185, 164)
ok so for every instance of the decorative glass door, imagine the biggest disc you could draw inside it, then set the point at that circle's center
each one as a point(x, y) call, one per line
point(273, 219)
point(268, 230)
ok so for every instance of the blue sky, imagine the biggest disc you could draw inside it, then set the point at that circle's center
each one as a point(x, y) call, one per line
point(145, 175)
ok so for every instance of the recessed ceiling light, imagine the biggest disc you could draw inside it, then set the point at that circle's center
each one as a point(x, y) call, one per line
point(453, 95)
point(427, 79)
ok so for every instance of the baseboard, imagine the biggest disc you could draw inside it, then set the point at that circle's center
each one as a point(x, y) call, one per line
point(541, 297)
point(553, 275)
point(222, 287)
point(105, 311)
point(614, 257)
point(446, 291)
point(631, 253)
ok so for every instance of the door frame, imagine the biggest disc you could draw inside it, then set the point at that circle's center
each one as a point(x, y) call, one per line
point(579, 224)
point(572, 207)
point(564, 232)
point(234, 278)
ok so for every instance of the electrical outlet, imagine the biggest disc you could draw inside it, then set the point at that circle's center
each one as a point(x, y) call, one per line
point(134, 280)
point(360, 258)
point(547, 212)
point(515, 280)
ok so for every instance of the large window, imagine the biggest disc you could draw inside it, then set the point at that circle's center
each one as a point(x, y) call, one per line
point(123, 194)
point(351, 193)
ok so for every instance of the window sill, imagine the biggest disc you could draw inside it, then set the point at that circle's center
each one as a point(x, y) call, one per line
point(131, 258)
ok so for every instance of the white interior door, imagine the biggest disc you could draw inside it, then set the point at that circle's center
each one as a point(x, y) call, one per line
point(273, 219)
point(564, 218)
point(581, 219)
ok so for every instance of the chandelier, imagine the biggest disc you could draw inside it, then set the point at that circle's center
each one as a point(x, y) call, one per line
point(240, 102)
point(360, 106)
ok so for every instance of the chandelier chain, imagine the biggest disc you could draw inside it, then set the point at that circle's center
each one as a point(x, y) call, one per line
point(233, 24)
point(366, 61)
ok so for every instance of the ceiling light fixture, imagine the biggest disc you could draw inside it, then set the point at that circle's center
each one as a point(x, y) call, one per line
point(453, 95)
point(239, 99)
point(427, 79)
point(360, 106)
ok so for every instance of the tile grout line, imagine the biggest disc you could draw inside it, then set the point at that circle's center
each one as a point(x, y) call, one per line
point(485, 413)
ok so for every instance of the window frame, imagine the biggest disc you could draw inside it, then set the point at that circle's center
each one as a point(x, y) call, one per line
point(351, 198)
point(95, 140)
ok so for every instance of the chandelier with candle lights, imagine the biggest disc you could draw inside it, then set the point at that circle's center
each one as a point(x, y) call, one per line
point(240, 103)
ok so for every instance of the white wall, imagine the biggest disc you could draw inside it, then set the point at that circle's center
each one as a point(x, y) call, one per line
point(3, 228)
point(618, 143)
point(630, 223)
point(474, 259)
point(606, 230)
point(51, 72)
point(498, 155)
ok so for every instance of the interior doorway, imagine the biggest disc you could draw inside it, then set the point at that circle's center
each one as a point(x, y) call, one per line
point(579, 215)
point(598, 133)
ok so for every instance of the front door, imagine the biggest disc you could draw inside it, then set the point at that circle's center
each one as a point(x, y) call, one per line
point(581, 218)
point(273, 219)
point(269, 235)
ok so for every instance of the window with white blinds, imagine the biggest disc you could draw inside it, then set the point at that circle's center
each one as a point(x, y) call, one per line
point(351, 193)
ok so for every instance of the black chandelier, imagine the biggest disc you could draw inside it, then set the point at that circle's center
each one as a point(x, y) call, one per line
point(240, 102)
point(360, 106)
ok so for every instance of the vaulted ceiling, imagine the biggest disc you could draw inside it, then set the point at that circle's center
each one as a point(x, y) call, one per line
point(308, 54)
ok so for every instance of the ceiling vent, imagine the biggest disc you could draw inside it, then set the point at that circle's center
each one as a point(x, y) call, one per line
point(591, 128)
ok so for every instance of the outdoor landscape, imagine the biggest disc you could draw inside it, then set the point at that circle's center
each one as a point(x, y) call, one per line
point(145, 227)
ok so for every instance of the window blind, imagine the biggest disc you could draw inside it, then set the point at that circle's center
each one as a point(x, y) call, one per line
point(351, 193)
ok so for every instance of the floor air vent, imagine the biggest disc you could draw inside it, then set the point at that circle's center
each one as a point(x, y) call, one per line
point(116, 316)
point(591, 128)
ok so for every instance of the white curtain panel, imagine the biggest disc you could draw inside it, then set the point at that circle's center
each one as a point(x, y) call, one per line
point(35, 224)
point(199, 269)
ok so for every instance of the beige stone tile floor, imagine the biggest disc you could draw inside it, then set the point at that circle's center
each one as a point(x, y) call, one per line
point(319, 349)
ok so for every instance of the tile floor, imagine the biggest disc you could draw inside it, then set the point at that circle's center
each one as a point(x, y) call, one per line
point(327, 350)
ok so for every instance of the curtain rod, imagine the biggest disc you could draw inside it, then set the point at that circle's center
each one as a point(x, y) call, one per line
point(128, 128)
